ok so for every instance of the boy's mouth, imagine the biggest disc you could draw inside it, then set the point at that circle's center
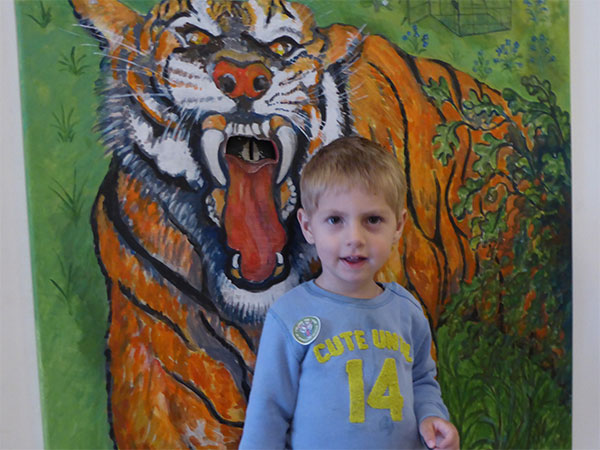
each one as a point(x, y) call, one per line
point(354, 259)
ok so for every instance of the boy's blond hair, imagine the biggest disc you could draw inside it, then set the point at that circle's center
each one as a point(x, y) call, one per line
point(350, 162)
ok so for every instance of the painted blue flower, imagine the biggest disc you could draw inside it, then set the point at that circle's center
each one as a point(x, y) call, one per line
point(416, 43)
point(508, 55)
point(541, 54)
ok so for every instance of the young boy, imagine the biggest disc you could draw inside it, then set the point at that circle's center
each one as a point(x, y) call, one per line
point(344, 361)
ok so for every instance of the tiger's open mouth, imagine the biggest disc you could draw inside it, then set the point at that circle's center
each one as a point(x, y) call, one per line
point(250, 161)
point(251, 150)
point(272, 139)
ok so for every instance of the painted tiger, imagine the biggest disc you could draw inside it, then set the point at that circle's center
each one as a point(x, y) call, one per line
point(210, 109)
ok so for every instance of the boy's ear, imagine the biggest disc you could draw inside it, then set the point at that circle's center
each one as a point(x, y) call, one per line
point(304, 221)
point(400, 226)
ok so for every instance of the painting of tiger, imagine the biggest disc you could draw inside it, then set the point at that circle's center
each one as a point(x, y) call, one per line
point(210, 110)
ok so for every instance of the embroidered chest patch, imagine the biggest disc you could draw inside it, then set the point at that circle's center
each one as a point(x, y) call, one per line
point(306, 329)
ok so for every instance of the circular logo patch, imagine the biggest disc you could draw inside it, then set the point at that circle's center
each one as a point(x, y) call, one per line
point(307, 329)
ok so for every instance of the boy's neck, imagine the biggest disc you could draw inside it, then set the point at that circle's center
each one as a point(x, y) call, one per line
point(365, 292)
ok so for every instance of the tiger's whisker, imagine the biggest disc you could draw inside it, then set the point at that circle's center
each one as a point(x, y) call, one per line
point(118, 38)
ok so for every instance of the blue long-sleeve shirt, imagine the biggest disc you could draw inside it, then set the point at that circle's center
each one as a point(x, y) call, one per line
point(339, 372)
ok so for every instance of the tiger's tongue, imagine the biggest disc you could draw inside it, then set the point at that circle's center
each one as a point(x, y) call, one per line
point(251, 220)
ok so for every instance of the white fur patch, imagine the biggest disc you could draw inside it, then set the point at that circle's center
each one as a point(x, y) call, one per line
point(332, 129)
point(172, 155)
point(201, 19)
point(279, 25)
point(195, 89)
point(254, 303)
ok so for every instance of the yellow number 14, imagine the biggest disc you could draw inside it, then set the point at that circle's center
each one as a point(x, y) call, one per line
point(387, 381)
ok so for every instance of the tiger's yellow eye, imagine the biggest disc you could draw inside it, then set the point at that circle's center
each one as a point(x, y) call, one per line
point(280, 48)
point(197, 38)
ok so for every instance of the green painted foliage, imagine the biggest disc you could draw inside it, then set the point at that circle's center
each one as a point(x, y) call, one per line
point(504, 346)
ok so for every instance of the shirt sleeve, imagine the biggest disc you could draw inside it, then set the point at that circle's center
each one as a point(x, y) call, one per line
point(427, 393)
point(274, 388)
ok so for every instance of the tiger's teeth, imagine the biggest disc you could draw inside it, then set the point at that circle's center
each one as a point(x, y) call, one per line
point(211, 145)
point(287, 139)
point(235, 261)
point(215, 121)
point(245, 153)
point(212, 209)
point(289, 207)
point(266, 128)
point(256, 129)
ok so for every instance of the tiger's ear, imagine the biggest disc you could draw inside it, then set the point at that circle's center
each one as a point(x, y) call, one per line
point(345, 43)
point(106, 20)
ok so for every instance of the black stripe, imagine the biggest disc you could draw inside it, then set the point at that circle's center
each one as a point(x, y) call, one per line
point(270, 13)
point(409, 197)
point(410, 62)
point(107, 353)
point(463, 175)
point(412, 65)
point(238, 357)
point(285, 10)
point(453, 81)
point(155, 314)
point(439, 243)
point(211, 408)
point(173, 326)
point(336, 70)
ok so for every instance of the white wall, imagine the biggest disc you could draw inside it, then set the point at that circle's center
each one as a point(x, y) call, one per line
point(20, 417)
point(20, 423)
point(585, 82)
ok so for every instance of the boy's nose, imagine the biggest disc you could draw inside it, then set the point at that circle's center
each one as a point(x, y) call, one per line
point(356, 235)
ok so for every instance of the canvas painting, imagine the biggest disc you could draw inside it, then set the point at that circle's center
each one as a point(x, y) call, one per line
point(164, 143)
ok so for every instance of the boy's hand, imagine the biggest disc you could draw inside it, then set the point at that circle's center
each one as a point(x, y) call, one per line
point(439, 434)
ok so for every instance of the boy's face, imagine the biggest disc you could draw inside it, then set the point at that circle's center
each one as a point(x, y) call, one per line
point(354, 232)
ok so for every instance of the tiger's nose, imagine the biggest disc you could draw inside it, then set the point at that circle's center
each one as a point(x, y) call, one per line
point(236, 80)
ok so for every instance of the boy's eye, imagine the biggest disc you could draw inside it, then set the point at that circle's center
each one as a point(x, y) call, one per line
point(333, 220)
point(373, 220)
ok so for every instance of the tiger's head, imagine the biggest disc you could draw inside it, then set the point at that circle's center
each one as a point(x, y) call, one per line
point(216, 105)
